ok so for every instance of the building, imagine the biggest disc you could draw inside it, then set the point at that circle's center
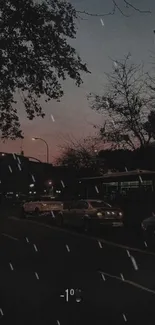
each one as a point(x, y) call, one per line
point(19, 174)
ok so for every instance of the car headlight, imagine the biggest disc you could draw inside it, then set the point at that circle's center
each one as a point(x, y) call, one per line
point(143, 226)
point(99, 214)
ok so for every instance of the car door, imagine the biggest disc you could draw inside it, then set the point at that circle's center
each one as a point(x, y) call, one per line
point(28, 205)
point(70, 213)
point(81, 208)
point(67, 207)
point(32, 204)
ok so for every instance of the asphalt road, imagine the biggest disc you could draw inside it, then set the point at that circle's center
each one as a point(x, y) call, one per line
point(39, 262)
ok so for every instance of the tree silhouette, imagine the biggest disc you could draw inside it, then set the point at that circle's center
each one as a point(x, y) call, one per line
point(81, 153)
point(35, 56)
point(126, 105)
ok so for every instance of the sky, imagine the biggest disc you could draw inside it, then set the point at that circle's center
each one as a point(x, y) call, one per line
point(97, 45)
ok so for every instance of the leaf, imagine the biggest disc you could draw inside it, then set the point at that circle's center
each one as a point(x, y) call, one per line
point(35, 56)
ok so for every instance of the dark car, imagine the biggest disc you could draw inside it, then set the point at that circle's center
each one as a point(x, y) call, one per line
point(148, 227)
point(86, 213)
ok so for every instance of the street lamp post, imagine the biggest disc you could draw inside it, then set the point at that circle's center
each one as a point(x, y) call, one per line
point(47, 147)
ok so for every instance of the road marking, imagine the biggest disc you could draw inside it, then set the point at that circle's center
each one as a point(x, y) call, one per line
point(100, 245)
point(11, 266)
point(11, 237)
point(145, 243)
point(103, 241)
point(128, 253)
point(122, 277)
point(68, 248)
point(103, 277)
point(125, 319)
point(37, 276)
point(58, 323)
point(1, 311)
point(125, 247)
point(27, 240)
point(35, 247)
point(128, 282)
point(134, 263)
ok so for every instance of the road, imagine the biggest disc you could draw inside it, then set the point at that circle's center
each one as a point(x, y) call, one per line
point(39, 262)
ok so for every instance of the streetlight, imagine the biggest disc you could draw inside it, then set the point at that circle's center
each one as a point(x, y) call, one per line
point(47, 148)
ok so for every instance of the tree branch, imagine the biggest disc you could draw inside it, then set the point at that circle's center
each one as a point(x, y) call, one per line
point(128, 4)
point(113, 11)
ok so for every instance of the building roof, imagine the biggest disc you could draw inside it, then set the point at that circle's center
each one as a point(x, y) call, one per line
point(110, 175)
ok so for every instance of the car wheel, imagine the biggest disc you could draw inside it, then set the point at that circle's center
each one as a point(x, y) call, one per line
point(60, 221)
point(23, 214)
point(36, 211)
point(149, 232)
point(86, 224)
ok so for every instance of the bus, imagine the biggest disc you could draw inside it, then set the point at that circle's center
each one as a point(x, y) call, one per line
point(114, 184)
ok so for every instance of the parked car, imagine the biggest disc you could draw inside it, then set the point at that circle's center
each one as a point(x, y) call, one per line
point(41, 205)
point(148, 226)
point(89, 213)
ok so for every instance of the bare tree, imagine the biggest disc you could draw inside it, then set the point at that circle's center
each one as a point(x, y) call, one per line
point(79, 153)
point(35, 55)
point(125, 105)
point(150, 126)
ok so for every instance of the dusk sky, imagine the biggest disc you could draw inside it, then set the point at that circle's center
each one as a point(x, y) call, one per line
point(96, 44)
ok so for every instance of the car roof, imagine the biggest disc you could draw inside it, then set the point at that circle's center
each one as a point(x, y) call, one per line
point(92, 200)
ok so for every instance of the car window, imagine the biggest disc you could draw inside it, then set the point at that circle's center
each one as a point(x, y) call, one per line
point(100, 204)
point(73, 205)
point(33, 199)
point(66, 205)
point(30, 199)
point(46, 198)
point(81, 205)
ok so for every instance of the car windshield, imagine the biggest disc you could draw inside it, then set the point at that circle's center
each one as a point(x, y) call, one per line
point(100, 204)
point(46, 198)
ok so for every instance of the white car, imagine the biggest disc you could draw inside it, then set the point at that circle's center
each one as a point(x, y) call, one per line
point(41, 206)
